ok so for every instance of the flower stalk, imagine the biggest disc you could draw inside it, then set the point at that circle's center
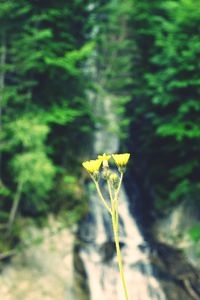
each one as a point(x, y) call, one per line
point(114, 182)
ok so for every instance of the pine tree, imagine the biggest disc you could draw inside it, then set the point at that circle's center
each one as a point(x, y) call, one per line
point(164, 110)
point(45, 115)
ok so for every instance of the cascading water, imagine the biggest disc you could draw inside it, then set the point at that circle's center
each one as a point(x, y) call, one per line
point(98, 254)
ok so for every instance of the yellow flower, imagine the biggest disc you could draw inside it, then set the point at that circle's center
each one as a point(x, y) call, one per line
point(121, 159)
point(92, 165)
point(104, 157)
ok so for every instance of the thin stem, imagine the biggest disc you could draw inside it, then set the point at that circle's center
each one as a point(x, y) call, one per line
point(110, 190)
point(116, 200)
point(114, 214)
point(119, 255)
point(102, 198)
point(115, 218)
point(119, 186)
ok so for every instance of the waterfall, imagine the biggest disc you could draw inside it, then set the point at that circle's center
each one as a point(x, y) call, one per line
point(98, 253)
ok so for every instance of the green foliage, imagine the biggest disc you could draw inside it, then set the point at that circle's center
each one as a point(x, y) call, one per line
point(179, 130)
point(71, 59)
point(27, 131)
point(4, 191)
point(62, 115)
point(36, 172)
point(165, 107)
point(45, 113)
point(194, 233)
point(31, 166)
point(143, 54)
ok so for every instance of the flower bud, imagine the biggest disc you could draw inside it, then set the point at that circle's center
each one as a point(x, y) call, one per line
point(122, 169)
point(114, 179)
point(105, 173)
point(96, 175)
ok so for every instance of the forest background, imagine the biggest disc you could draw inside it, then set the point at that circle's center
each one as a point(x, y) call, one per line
point(53, 56)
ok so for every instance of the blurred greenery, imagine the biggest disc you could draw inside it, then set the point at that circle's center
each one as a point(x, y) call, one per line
point(143, 54)
point(194, 233)
point(45, 115)
point(165, 107)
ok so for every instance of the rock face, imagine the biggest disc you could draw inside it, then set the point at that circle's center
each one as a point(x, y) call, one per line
point(44, 269)
point(179, 279)
point(173, 230)
point(179, 259)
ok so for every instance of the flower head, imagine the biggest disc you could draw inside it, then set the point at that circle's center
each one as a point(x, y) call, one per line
point(121, 159)
point(104, 158)
point(92, 165)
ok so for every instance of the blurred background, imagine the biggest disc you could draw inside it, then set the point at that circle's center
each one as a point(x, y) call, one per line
point(79, 78)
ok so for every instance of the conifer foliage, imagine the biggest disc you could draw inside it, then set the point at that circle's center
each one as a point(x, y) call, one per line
point(165, 106)
point(45, 116)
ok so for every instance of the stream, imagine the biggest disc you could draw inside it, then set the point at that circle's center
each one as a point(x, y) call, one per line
point(98, 253)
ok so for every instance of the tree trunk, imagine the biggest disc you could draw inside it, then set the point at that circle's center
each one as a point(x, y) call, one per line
point(14, 206)
point(2, 83)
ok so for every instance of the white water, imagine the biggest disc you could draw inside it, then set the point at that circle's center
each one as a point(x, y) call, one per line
point(99, 256)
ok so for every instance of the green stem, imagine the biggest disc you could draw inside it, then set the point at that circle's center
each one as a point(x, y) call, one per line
point(116, 200)
point(119, 255)
point(110, 191)
point(102, 198)
point(114, 214)
point(114, 203)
